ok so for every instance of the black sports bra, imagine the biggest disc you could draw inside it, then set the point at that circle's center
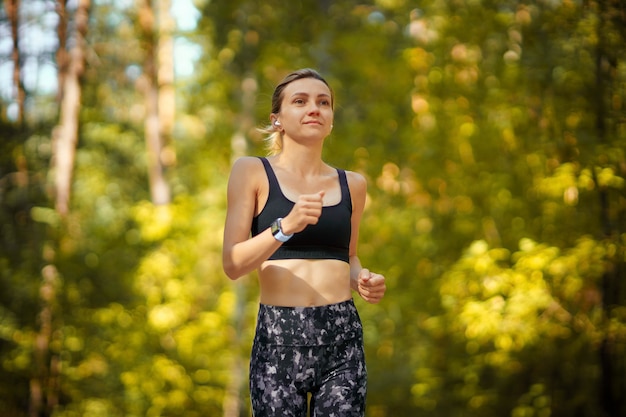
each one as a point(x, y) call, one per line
point(328, 239)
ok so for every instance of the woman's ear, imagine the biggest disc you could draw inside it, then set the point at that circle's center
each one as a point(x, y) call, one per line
point(275, 122)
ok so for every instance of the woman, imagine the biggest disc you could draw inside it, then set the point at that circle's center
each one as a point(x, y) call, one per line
point(296, 220)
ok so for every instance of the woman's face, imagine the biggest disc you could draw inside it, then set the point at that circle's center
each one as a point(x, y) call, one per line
point(306, 109)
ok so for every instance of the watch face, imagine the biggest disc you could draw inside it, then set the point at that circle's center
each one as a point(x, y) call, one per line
point(275, 227)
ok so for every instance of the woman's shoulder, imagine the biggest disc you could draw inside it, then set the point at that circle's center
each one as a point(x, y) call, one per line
point(247, 164)
point(358, 189)
point(246, 172)
point(356, 181)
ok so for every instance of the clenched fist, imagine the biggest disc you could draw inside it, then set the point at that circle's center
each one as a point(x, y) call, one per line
point(371, 286)
point(306, 211)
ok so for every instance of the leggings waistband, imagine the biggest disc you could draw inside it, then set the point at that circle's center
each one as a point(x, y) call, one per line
point(308, 326)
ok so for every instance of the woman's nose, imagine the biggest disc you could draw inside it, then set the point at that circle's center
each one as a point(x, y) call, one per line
point(314, 108)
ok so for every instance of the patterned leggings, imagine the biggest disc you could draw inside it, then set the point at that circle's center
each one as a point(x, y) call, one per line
point(302, 350)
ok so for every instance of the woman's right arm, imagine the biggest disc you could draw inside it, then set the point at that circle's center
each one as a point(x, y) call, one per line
point(240, 253)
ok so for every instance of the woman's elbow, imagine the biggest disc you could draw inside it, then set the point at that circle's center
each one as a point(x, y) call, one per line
point(236, 265)
point(230, 269)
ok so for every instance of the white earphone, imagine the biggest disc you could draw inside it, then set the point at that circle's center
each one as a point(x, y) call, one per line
point(276, 123)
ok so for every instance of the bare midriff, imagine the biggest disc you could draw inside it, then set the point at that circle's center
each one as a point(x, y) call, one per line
point(304, 282)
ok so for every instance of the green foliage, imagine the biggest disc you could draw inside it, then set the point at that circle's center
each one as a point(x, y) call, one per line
point(504, 307)
point(161, 351)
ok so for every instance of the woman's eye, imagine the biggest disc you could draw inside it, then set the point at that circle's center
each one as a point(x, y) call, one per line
point(298, 101)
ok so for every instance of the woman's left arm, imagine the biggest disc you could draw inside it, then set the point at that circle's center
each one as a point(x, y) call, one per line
point(369, 285)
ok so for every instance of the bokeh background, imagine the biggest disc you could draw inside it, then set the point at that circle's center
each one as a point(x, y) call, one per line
point(493, 138)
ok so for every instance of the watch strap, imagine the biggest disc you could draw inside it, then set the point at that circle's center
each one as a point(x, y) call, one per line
point(277, 231)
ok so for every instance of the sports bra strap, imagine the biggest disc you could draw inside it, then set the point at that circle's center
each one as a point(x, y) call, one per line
point(271, 176)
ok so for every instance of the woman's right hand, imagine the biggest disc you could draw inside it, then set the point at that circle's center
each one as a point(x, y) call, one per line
point(306, 211)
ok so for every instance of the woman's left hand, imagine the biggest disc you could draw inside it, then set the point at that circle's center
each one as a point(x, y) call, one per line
point(371, 286)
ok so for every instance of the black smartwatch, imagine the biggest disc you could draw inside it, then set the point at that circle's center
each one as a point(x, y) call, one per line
point(277, 231)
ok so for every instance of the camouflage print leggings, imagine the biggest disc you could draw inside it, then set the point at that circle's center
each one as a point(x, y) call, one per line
point(301, 350)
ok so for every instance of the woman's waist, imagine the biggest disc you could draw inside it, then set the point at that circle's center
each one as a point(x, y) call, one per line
point(305, 267)
point(304, 283)
point(308, 326)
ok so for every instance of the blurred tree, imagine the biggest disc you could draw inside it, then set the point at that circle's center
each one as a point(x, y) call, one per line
point(65, 135)
point(12, 11)
point(517, 111)
point(151, 89)
point(609, 93)
point(44, 385)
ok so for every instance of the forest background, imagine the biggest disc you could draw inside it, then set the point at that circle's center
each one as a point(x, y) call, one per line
point(493, 138)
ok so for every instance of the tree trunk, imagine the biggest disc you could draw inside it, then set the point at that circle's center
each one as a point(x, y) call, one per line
point(65, 135)
point(62, 56)
point(167, 101)
point(44, 385)
point(613, 365)
point(12, 9)
point(159, 189)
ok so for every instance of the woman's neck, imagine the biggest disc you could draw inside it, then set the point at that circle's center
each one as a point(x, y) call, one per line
point(302, 162)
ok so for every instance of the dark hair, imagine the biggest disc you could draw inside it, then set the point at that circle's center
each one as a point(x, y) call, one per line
point(274, 139)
